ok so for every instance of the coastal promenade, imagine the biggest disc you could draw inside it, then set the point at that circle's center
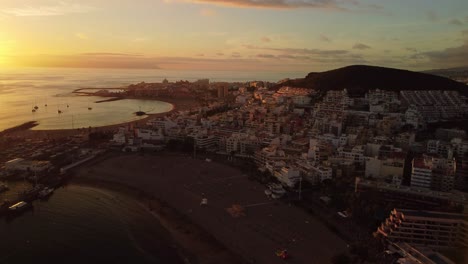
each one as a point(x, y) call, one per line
point(182, 182)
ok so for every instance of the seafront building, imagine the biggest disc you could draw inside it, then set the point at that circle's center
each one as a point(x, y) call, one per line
point(436, 230)
point(297, 134)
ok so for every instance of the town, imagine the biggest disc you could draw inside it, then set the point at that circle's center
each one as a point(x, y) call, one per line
point(388, 165)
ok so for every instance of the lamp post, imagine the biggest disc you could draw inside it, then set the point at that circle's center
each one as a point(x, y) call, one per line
point(300, 188)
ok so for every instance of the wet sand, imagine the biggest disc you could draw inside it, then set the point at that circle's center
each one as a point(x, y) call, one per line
point(181, 182)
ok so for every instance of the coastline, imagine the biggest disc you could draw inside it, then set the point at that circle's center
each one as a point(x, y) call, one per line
point(27, 131)
point(179, 182)
point(193, 244)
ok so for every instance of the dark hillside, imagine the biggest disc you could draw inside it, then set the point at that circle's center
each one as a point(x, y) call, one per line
point(358, 79)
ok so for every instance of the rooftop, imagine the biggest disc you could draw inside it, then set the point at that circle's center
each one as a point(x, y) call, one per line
point(432, 214)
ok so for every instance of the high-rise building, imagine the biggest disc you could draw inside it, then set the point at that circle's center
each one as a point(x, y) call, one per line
point(436, 230)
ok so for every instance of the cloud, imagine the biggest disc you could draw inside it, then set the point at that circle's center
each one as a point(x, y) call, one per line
point(449, 57)
point(89, 60)
point(432, 16)
point(266, 56)
point(207, 12)
point(306, 56)
point(219, 54)
point(301, 51)
point(235, 55)
point(201, 55)
point(282, 4)
point(60, 9)
point(265, 39)
point(361, 46)
point(110, 54)
point(411, 49)
point(324, 38)
point(455, 22)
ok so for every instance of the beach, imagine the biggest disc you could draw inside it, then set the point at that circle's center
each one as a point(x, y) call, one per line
point(26, 130)
point(181, 182)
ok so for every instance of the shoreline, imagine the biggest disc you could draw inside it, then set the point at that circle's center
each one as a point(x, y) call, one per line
point(173, 181)
point(193, 244)
point(25, 130)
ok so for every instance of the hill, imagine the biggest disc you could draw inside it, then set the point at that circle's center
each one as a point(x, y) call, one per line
point(358, 79)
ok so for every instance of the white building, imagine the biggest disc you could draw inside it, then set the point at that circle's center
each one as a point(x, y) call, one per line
point(147, 134)
point(288, 176)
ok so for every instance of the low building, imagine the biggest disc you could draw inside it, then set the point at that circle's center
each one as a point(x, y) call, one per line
point(23, 165)
point(288, 176)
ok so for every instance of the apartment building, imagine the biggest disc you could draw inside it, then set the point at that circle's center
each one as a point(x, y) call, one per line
point(437, 230)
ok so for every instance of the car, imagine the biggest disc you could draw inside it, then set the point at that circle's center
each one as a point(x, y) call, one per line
point(343, 214)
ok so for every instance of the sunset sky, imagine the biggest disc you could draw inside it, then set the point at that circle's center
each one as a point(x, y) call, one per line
point(275, 35)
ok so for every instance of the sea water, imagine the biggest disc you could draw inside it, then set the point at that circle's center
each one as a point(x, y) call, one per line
point(23, 89)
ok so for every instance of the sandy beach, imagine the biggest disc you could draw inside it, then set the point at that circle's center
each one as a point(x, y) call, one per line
point(194, 244)
point(26, 131)
point(180, 182)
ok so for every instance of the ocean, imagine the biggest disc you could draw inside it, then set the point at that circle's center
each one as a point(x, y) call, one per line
point(23, 89)
point(81, 224)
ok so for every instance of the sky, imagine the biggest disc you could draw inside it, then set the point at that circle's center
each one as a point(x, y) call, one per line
point(234, 35)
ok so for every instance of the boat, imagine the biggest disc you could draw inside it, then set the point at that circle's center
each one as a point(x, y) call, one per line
point(19, 206)
point(277, 190)
point(3, 187)
point(140, 113)
point(45, 192)
point(59, 111)
point(31, 193)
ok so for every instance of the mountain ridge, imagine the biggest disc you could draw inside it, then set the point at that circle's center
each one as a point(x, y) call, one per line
point(358, 79)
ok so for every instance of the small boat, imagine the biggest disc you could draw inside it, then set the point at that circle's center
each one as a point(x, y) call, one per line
point(45, 192)
point(18, 206)
point(90, 108)
point(277, 190)
point(31, 193)
point(33, 110)
point(140, 113)
point(36, 107)
point(59, 111)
